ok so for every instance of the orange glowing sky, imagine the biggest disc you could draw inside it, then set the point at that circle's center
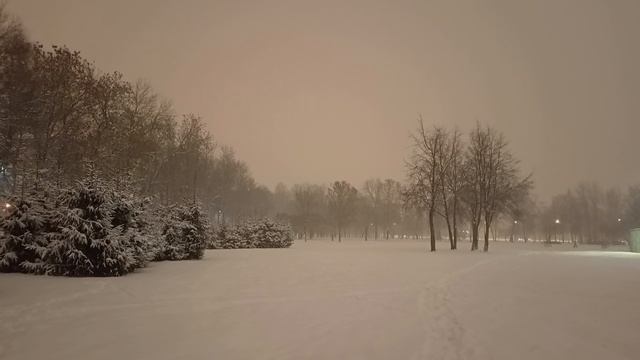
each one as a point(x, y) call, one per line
point(314, 91)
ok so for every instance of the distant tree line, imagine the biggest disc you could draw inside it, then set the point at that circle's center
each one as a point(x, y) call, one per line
point(589, 214)
point(340, 209)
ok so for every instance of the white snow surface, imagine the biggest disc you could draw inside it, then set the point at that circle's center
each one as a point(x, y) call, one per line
point(327, 300)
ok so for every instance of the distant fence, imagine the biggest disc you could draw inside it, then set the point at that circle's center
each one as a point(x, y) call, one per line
point(634, 240)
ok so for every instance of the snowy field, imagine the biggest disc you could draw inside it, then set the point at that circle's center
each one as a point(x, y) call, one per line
point(324, 300)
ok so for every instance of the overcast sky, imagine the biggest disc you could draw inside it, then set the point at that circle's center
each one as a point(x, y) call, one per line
point(315, 91)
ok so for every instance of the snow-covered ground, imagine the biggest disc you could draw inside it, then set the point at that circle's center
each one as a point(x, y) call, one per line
point(324, 300)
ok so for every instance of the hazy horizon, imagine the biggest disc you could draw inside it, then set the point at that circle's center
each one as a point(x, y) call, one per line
point(316, 92)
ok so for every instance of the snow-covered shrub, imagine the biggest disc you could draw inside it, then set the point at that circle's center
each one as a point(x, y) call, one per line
point(225, 237)
point(253, 234)
point(23, 232)
point(96, 229)
point(269, 234)
point(184, 234)
point(131, 223)
point(85, 243)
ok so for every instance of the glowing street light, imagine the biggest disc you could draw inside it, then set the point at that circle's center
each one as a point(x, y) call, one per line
point(7, 205)
point(619, 220)
point(515, 221)
point(556, 228)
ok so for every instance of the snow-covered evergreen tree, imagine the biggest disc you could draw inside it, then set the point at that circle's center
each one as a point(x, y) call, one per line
point(184, 235)
point(131, 225)
point(263, 233)
point(85, 243)
point(226, 237)
point(23, 233)
point(269, 234)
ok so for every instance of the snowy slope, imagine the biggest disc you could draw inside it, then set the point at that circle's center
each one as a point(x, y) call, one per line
point(323, 300)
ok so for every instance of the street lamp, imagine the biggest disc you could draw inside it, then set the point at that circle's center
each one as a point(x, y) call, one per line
point(366, 231)
point(513, 230)
point(557, 224)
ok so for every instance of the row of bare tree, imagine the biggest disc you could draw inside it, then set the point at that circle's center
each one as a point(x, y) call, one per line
point(590, 214)
point(338, 209)
point(58, 114)
point(477, 179)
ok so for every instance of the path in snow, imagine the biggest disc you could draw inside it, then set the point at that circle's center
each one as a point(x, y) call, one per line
point(324, 300)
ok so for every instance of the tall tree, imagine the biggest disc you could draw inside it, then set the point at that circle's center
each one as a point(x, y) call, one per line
point(451, 183)
point(16, 96)
point(494, 179)
point(424, 173)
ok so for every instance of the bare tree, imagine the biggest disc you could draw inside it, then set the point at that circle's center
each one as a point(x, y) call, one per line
point(391, 204)
point(424, 173)
point(342, 199)
point(493, 180)
point(451, 183)
point(308, 201)
point(383, 200)
point(372, 192)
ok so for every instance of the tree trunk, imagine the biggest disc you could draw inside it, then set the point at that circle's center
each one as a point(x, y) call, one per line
point(450, 232)
point(432, 231)
point(455, 225)
point(474, 236)
point(487, 229)
point(447, 219)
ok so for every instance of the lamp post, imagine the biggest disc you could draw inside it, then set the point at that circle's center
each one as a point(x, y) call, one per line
point(366, 231)
point(557, 225)
point(620, 232)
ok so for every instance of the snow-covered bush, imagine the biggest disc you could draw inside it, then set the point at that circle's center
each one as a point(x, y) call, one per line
point(88, 230)
point(184, 235)
point(23, 232)
point(269, 234)
point(133, 223)
point(225, 237)
point(85, 243)
point(95, 229)
point(253, 234)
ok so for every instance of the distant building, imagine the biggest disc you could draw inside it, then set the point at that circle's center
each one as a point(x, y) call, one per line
point(634, 240)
